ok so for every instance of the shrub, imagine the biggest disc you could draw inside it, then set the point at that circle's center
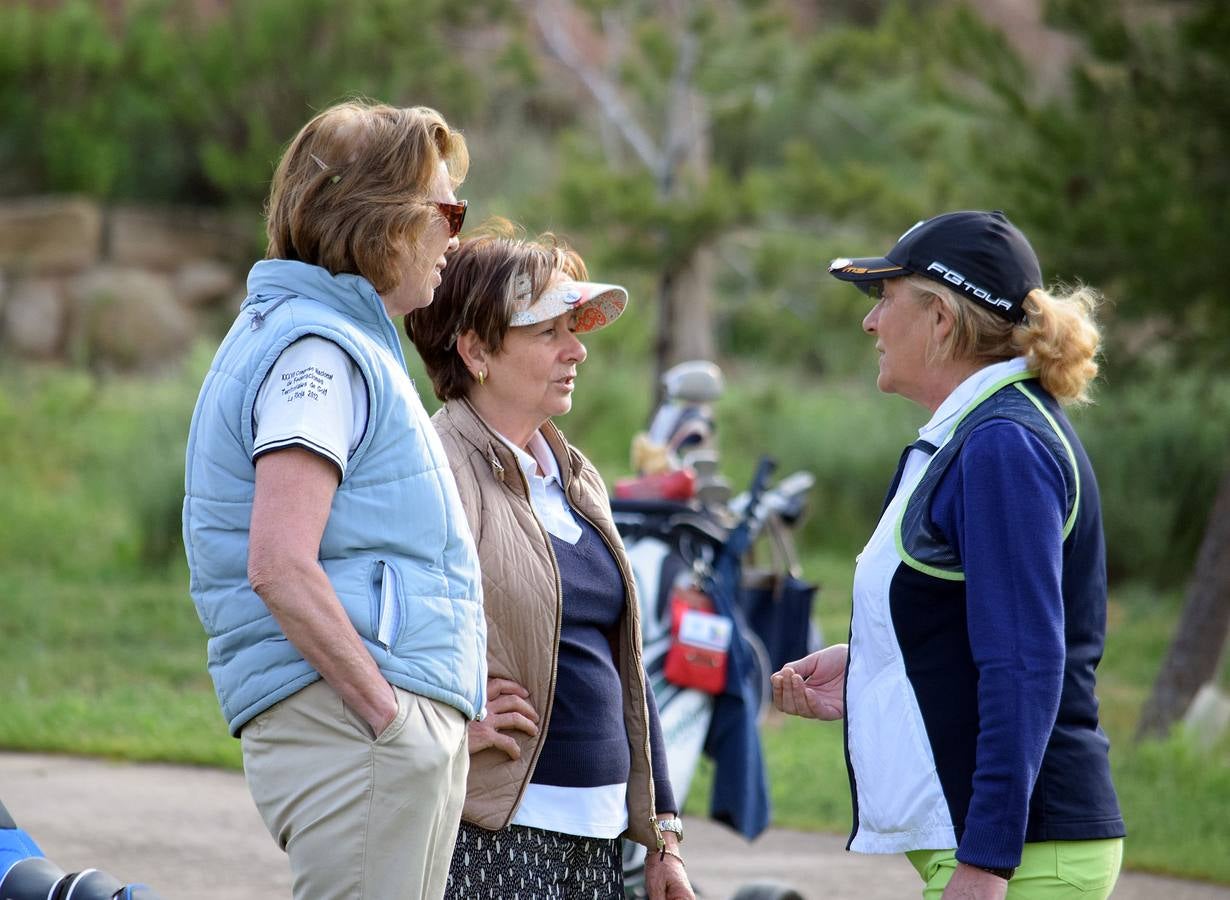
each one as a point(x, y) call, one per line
point(160, 102)
point(93, 470)
point(1173, 787)
point(1158, 447)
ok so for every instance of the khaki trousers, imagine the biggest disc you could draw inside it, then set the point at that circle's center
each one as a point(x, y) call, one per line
point(361, 817)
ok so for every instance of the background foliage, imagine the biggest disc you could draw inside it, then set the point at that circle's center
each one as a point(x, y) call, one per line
point(165, 103)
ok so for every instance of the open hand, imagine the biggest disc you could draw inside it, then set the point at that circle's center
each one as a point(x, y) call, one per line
point(813, 687)
point(508, 709)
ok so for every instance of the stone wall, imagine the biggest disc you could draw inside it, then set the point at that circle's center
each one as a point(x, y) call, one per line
point(116, 288)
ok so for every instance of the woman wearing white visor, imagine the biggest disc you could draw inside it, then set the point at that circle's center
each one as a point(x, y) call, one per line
point(569, 757)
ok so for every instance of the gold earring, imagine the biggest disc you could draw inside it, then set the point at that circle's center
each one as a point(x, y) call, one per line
point(482, 376)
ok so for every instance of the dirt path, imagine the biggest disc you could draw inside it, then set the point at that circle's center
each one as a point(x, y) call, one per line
point(193, 834)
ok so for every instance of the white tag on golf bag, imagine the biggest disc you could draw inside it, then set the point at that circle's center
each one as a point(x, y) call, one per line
point(704, 629)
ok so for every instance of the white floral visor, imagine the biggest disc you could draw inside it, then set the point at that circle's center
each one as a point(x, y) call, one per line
point(596, 305)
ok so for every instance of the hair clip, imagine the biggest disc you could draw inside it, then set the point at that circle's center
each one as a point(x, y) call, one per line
point(324, 167)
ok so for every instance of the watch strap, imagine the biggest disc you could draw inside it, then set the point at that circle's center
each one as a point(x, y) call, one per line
point(675, 826)
point(1005, 873)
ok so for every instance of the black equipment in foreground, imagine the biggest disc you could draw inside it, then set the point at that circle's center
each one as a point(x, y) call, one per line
point(26, 874)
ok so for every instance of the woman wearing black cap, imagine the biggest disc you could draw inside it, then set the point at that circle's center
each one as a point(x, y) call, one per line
point(980, 600)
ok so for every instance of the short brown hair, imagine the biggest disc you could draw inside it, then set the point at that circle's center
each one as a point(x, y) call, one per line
point(347, 192)
point(477, 292)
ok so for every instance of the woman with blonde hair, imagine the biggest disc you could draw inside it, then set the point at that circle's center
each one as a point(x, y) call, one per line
point(330, 560)
point(979, 609)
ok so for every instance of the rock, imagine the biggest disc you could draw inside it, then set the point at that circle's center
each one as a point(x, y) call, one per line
point(162, 238)
point(204, 282)
point(49, 235)
point(1208, 718)
point(128, 319)
point(32, 320)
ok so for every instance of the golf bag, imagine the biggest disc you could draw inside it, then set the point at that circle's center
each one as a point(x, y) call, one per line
point(692, 561)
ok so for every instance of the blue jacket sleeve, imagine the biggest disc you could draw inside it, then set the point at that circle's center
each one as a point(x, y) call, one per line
point(663, 793)
point(1002, 504)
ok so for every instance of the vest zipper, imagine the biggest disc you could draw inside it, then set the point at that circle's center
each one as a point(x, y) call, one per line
point(634, 651)
point(633, 648)
point(559, 628)
point(390, 610)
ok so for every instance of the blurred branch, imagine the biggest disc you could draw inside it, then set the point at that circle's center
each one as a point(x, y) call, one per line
point(611, 104)
point(616, 37)
point(682, 126)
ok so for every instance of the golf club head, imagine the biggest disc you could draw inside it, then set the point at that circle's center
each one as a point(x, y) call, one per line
point(695, 381)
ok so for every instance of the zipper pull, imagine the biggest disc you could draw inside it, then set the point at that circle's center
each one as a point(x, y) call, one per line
point(258, 317)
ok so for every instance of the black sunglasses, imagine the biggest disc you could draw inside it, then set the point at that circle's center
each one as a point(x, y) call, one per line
point(454, 215)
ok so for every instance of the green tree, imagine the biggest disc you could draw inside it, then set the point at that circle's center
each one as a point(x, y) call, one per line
point(1126, 180)
point(167, 102)
point(1127, 177)
point(652, 176)
point(727, 146)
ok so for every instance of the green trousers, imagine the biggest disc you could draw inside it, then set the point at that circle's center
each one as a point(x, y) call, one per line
point(1049, 870)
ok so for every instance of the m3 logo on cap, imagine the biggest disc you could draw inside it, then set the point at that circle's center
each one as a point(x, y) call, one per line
point(956, 279)
point(841, 264)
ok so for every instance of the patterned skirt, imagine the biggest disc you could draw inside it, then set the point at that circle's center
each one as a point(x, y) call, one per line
point(520, 863)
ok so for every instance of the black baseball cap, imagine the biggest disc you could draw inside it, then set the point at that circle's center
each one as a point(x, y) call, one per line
point(980, 255)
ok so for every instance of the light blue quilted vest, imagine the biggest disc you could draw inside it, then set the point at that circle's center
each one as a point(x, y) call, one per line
point(396, 548)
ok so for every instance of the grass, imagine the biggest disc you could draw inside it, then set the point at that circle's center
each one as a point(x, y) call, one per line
point(109, 667)
point(101, 652)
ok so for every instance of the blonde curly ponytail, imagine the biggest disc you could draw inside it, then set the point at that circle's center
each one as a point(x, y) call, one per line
point(1059, 337)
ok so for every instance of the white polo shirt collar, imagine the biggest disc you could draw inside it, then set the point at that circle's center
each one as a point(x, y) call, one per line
point(546, 490)
point(941, 423)
point(966, 392)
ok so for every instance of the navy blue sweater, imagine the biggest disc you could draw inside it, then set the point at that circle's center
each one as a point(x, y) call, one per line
point(1040, 771)
point(587, 743)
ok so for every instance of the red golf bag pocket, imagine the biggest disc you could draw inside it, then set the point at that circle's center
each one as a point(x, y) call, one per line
point(700, 643)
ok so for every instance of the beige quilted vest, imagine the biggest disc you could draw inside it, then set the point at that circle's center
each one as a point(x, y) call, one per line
point(523, 605)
